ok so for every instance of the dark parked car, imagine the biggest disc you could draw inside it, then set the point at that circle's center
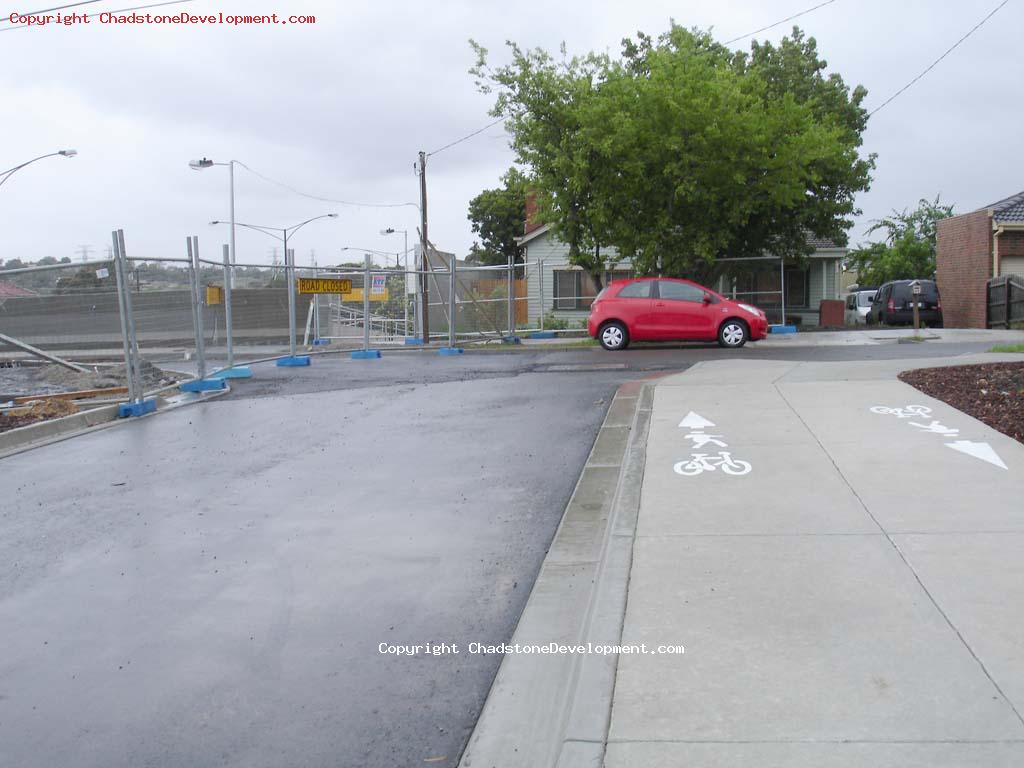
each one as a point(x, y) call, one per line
point(894, 304)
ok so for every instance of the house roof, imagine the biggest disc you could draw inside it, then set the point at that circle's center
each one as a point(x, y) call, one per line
point(1010, 209)
point(822, 243)
point(11, 291)
point(533, 233)
point(818, 243)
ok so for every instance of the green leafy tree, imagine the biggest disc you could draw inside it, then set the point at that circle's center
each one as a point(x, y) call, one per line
point(497, 216)
point(681, 152)
point(908, 250)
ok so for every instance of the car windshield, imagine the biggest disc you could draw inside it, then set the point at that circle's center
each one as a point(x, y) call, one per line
point(902, 291)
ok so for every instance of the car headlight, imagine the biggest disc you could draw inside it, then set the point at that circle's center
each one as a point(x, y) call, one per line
point(752, 310)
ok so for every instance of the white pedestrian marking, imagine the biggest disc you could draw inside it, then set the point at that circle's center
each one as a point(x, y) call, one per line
point(936, 427)
point(695, 421)
point(700, 440)
point(982, 451)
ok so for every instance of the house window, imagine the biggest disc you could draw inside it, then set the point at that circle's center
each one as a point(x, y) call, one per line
point(762, 288)
point(574, 289)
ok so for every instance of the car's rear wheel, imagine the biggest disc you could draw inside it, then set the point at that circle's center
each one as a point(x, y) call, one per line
point(733, 334)
point(613, 336)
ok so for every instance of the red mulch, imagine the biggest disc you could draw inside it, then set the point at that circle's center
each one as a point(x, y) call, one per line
point(992, 393)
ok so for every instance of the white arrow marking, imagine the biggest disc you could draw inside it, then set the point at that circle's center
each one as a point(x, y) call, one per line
point(694, 421)
point(982, 451)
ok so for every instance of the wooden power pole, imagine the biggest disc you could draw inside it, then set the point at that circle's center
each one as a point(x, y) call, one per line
point(425, 266)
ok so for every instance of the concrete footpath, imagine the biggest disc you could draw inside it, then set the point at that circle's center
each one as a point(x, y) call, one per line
point(841, 557)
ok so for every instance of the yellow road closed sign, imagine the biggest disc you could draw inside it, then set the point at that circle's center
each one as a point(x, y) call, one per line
point(324, 285)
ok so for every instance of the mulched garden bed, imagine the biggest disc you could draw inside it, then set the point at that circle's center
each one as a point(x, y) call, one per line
point(992, 392)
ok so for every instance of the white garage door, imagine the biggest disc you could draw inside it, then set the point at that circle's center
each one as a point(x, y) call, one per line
point(1012, 265)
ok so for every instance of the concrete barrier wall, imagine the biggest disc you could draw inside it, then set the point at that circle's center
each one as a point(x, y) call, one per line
point(161, 317)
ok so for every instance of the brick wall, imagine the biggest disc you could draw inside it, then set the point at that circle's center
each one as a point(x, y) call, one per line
point(531, 213)
point(964, 261)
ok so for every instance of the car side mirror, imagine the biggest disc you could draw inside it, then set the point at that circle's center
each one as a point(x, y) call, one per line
point(707, 297)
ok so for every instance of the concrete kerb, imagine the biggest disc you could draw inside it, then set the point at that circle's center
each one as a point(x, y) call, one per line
point(554, 710)
point(103, 417)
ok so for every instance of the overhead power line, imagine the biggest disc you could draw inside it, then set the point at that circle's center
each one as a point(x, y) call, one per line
point(931, 66)
point(299, 192)
point(94, 15)
point(7, 16)
point(467, 136)
point(781, 21)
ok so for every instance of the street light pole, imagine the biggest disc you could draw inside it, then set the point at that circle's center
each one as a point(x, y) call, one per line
point(289, 268)
point(10, 171)
point(198, 165)
point(405, 276)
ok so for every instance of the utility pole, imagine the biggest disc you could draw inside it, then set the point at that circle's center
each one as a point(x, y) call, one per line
point(425, 267)
point(83, 251)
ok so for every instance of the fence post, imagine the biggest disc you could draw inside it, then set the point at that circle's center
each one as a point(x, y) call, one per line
point(542, 302)
point(122, 286)
point(228, 326)
point(366, 353)
point(197, 307)
point(137, 404)
point(451, 302)
point(511, 300)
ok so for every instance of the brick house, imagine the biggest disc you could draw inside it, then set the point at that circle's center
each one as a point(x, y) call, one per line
point(973, 248)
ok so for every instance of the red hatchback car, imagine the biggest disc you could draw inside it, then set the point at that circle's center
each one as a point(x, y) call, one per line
point(667, 309)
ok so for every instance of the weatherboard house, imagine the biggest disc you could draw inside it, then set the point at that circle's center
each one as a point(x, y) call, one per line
point(556, 288)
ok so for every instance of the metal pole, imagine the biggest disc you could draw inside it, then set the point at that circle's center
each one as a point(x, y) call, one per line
point(782, 286)
point(451, 302)
point(231, 177)
point(197, 306)
point(424, 294)
point(121, 287)
point(511, 301)
point(133, 339)
point(227, 308)
point(542, 302)
point(289, 266)
point(405, 284)
point(366, 304)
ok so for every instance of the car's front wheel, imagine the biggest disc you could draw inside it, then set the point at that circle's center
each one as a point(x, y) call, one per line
point(613, 336)
point(733, 334)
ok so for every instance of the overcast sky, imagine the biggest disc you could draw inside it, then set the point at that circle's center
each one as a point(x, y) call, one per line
point(340, 108)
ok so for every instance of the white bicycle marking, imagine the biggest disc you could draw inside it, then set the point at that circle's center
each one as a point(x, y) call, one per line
point(902, 413)
point(703, 462)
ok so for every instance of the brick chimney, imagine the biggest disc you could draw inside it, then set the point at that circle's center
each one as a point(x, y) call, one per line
point(531, 213)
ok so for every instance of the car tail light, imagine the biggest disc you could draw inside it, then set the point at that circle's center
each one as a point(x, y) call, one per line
point(892, 305)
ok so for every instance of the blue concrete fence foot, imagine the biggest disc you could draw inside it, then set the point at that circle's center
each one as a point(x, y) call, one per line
point(510, 340)
point(366, 354)
point(450, 351)
point(293, 362)
point(321, 342)
point(238, 372)
point(781, 329)
point(542, 335)
point(136, 409)
point(203, 385)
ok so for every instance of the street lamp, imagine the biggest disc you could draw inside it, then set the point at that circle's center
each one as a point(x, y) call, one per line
point(290, 269)
point(405, 281)
point(198, 165)
point(62, 152)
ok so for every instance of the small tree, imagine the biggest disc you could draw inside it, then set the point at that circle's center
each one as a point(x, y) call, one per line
point(497, 216)
point(908, 251)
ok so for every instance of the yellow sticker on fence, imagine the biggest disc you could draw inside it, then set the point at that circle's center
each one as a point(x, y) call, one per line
point(324, 285)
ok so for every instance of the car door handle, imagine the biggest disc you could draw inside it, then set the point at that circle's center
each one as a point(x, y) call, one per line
point(659, 303)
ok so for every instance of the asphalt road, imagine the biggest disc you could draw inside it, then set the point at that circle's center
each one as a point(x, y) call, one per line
point(210, 586)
